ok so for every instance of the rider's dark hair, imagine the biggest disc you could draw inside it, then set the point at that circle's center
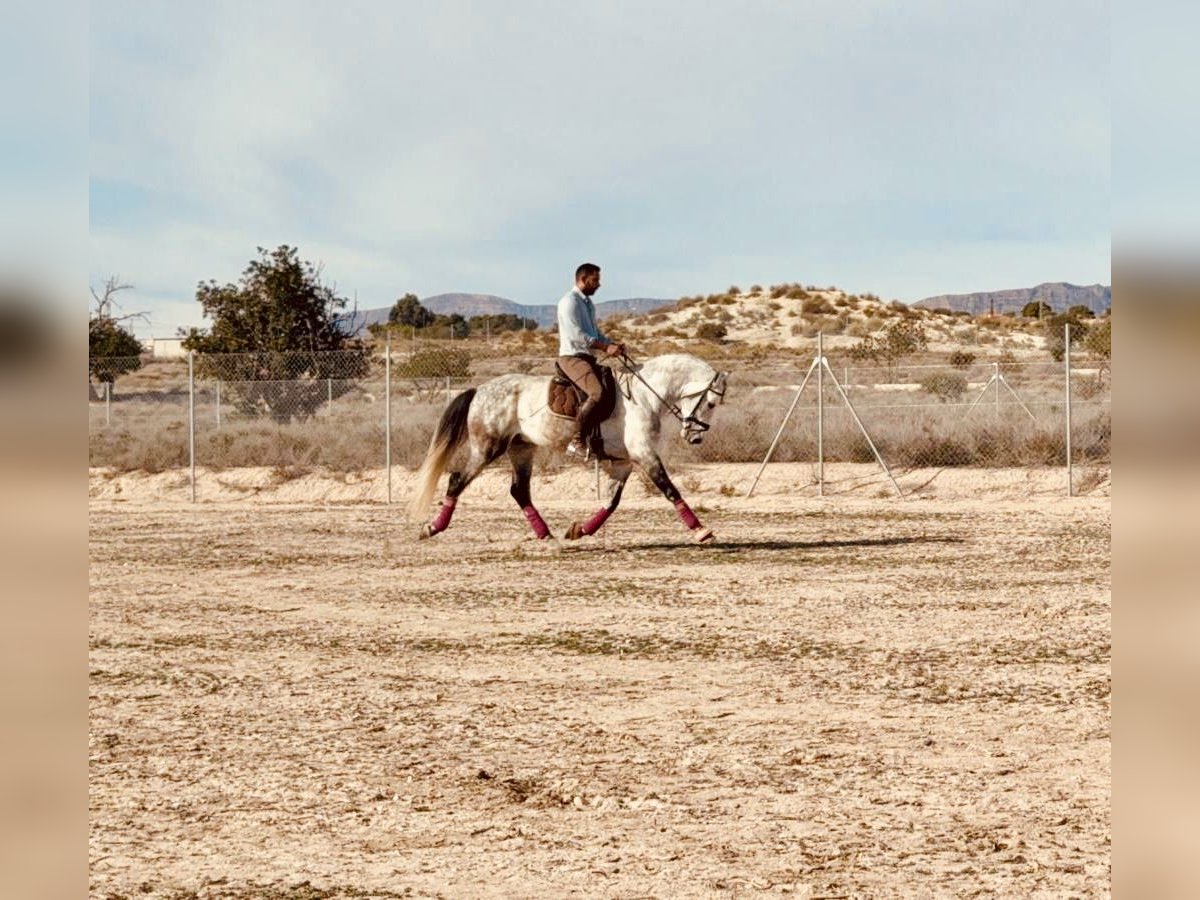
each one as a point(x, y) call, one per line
point(585, 270)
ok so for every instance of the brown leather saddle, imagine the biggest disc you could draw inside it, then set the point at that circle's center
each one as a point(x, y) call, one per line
point(564, 398)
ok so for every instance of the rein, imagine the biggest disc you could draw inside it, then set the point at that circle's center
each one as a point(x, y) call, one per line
point(690, 420)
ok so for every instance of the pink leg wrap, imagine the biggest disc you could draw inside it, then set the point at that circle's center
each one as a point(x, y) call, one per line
point(442, 520)
point(686, 515)
point(592, 525)
point(536, 522)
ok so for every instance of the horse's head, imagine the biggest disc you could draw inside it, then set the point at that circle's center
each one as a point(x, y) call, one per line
point(697, 415)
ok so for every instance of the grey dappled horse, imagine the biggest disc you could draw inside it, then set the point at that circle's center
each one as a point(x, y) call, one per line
point(510, 415)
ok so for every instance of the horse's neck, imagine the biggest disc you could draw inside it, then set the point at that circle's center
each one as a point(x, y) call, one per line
point(668, 377)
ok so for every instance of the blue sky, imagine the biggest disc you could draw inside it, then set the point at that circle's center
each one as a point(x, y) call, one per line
point(903, 149)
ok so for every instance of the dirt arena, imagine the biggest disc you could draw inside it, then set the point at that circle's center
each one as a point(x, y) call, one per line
point(841, 697)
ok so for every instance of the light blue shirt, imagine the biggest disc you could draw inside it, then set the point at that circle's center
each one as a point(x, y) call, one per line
point(577, 324)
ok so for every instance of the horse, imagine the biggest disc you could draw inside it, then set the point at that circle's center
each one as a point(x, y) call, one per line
point(510, 415)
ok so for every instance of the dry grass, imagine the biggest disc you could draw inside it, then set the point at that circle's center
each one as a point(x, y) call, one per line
point(910, 426)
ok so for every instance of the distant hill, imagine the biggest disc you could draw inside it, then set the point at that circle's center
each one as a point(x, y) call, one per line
point(1058, 295)
point(467, 305)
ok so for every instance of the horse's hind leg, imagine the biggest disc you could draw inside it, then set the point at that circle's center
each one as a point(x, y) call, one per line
point(618, 472)
point(520, 454)
point(481, 454)
point(654, 470)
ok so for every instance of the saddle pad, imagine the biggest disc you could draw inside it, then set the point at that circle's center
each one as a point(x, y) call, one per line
point(563, 398)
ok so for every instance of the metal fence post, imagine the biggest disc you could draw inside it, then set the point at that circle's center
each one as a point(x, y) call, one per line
point(107, 404)
point(996, 379)
point(329, 392)
point(1067, 369)
point(192, 419)
point(821, 413)
point(387, 414)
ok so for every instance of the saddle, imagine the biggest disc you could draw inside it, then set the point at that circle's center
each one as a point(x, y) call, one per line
point(564, 398)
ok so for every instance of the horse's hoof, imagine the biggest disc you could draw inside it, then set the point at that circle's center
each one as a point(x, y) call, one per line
point(426, 532)
point(703, 536)
point(575, 532)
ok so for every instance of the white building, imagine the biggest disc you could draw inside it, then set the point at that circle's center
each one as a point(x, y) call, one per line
point(167, 348)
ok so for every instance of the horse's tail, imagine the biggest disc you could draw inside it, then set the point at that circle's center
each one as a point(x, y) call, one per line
point(450, 434)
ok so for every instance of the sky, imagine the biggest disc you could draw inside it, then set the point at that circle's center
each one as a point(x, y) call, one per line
point(903, 149)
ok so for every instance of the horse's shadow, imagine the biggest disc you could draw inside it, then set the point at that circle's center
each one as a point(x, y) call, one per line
point(777, 546)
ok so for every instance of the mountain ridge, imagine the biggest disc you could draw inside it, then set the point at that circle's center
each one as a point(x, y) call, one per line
point(1058, 295)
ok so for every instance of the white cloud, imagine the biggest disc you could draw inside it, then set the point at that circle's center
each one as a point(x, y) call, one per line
point(444, 147)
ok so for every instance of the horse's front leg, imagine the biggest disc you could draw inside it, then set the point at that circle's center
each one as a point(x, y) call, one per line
point(654, 470)
point(618, 473)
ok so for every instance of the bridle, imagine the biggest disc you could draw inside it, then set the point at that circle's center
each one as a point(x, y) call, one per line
point(691, 424)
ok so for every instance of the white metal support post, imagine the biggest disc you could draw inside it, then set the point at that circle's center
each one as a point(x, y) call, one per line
point(998, 379)
point(107, 403)
point(1067, 367)
point(821, 363)
point(387, 414)
point(192, 419)
point(782, 425)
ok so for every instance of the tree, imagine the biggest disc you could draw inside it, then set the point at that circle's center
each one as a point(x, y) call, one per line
point(502, 322)
point(1036, 309)
point(281, 323)
point(1080, 311)
point(900, 339)
point(452, 326)
point(903, 338)
point(409, 311)
point(1053, 328)
point(1098, 340)
point(113, 350)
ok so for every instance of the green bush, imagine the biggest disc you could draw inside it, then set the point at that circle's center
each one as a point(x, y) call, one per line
point(435, 362)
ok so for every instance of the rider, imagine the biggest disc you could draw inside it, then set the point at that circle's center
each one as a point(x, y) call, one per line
point(579, 339)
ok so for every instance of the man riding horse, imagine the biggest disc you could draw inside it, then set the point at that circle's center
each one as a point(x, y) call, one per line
point(579, 340)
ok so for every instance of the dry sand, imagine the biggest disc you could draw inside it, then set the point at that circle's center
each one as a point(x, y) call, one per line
point(848, 696)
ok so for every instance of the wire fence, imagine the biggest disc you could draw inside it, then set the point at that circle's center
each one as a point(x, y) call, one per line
point(352, 411)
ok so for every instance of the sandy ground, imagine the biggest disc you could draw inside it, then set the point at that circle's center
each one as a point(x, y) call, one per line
point(851, 696)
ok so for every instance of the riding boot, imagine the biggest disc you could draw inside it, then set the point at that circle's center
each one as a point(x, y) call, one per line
point(581, 445)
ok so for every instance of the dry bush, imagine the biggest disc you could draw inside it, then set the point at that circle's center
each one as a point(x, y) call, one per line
point(813, 306)
point(944, 385)
point(858, 329)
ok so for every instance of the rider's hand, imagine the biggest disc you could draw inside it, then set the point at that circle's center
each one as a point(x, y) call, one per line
point(614, 350)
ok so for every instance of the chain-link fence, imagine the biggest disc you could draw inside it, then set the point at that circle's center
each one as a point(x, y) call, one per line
point(352, 411)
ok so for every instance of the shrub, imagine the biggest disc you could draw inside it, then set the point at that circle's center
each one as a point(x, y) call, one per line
point(435, 362)
point(816, 306)
point(961, 359)
point(712, 331)
point(944, 385)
